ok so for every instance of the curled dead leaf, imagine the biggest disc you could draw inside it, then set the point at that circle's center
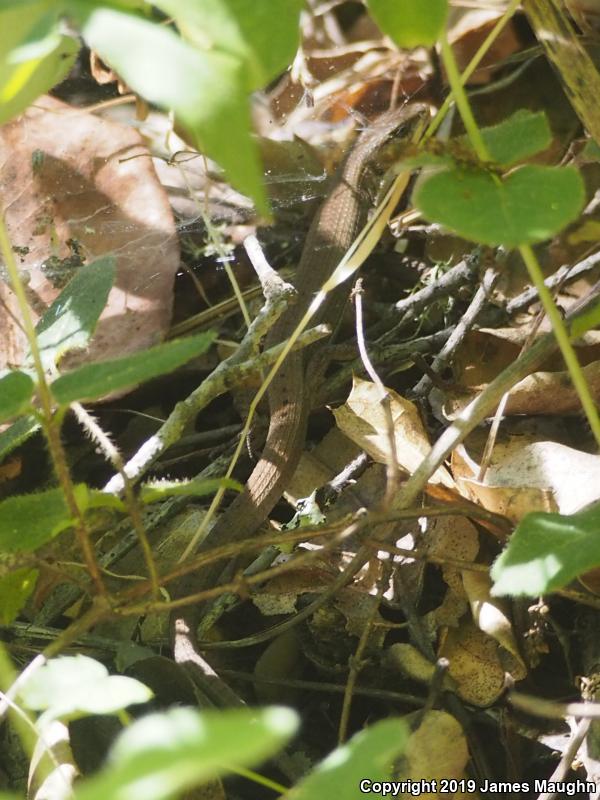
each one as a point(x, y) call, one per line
point(363, 420)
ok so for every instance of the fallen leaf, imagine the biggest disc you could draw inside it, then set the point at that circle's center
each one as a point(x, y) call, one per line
point(363, 420)
point(76, 186)
point(527, 475)
point(436, 750)
point(474, 664)
point(490, 616)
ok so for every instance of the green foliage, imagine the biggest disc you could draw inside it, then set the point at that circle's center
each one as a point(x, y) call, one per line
point(162, 755)
point(528, 205)
point(263, 36)
point(202, 63)
point(410, 23)
point(34, 54)
point(160, 490)
point(97, 380)
point(585, 321)
point(16, 390)
point(73, 686)
point(31, 520)
point(15, 589)
point(546, 552)
point(519, 136)
point(16, 434)
point(369, 754)
point(205, 89)
point(72, 318)
point(522, 206)
point(203, 69)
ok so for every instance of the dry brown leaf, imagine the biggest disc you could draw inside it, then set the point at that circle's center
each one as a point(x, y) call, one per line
point(321, 464)
point(68, 175)
point(474, 664)
point(436, 750)
point(490, 616)
point(486, 352)
point(526, 476)
point(363, 420)
point(456, 538)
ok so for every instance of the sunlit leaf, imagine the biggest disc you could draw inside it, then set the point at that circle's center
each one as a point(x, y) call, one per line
point(206, 89)
point(71, 319)
point(410, 23)
point(546, 552)
point(369, 754)
point(71, 686)
point(528, 205)
point(263, 35)
point(96, 380)
point(159, 490)
point(34, 54)
point(15, 589)
point(519, 136)
point(16, 390)
point(161, 755)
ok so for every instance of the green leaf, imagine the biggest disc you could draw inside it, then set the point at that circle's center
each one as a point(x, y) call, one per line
point(528, 205)
point(18, 433)
point(205, 89)
point(546, 552)
point(16, 390)
point(369, 754)
point(591, 151)
point(34, 55)
point(15, 589)
point(28, 521)
point(97, 380)
point(160, 490)
point(71, 319)
point(263, 35)
point(162, 755)
point(410, 23)
point(585, 321)
point(516, 138)
point(73, 686)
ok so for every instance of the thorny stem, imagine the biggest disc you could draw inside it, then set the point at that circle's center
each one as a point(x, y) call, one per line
point(49, 420)
point(130, 499)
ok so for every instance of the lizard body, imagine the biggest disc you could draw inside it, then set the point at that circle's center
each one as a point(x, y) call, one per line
point(334, 228)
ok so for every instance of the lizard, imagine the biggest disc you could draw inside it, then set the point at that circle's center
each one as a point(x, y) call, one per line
point(333, 230)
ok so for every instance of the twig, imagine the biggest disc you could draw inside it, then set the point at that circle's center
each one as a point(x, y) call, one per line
point(227, 374)
point(549, 709)
point(562, 275)
point(566, 762)
point(393, 475)
point(458, 334)
point(479, 408)
point(356, 662)
point(445, 285)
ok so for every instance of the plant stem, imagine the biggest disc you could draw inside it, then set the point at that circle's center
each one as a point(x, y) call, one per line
point(562, 338)
point(472, 66)
point(49, 423)
point(462, 102)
